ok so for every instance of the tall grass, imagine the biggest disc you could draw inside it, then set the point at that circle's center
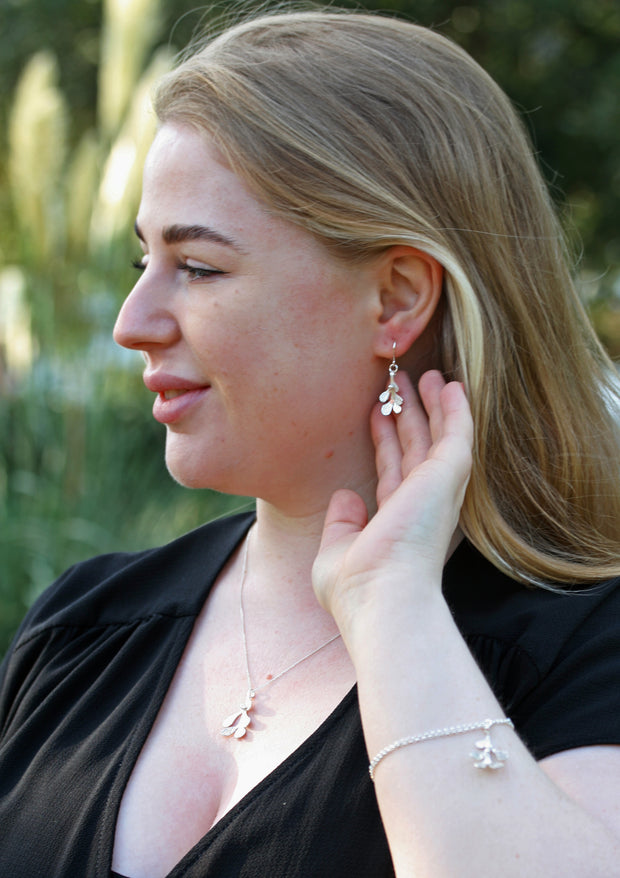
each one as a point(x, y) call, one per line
point(82, 476)
point(81, 468)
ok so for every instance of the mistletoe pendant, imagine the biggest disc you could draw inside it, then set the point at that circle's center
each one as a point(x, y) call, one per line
point(486, 755)
point(236, 725)
point(392, 402)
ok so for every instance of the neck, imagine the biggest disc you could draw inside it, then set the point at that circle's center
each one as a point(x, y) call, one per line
point(294, 494)
point(295, 525)
point(283, 549)
point(285, 541)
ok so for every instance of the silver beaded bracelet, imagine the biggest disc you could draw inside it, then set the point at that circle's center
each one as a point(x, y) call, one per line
point(484, 756)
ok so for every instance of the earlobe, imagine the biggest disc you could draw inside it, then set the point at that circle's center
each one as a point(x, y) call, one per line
point(411, 285)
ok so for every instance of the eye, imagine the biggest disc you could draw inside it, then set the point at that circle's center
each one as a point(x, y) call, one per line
point(195, 272)
point(138, 264)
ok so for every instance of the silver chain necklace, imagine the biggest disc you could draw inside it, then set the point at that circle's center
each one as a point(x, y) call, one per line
point(236, 725)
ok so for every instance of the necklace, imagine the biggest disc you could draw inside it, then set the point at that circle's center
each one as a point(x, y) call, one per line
point(236, 725)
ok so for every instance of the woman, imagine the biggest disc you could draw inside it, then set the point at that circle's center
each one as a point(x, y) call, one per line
point(338, 208)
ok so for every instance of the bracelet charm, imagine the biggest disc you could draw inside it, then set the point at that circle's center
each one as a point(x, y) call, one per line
point(485, 754)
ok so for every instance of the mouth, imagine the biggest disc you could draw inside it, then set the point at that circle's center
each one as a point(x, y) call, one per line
point(176, 396)
point(169, 384)
point(171, 406)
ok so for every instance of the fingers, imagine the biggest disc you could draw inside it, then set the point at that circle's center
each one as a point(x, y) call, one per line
point(437, 422)
point(413, 428)
point(423, 458)
point(451, 427)
point(447, 407)
point(430, 387)
point(401, 441)
point(388, 454)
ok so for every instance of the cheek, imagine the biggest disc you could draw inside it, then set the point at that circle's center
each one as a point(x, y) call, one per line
point(216, 327)
point(313, 318)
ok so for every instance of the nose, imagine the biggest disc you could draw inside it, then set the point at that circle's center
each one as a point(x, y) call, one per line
point(146, 320)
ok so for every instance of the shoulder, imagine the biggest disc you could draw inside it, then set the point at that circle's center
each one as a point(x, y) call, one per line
point(552, 658)
point(123, 617)
point(486, 601)
point(171, 580)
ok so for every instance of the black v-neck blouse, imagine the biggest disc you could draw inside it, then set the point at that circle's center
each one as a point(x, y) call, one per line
point(91, 664)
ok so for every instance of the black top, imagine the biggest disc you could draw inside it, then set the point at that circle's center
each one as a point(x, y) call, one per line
point(93, 660)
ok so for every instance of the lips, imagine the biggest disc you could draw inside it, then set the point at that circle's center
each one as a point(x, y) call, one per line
point(175, 395)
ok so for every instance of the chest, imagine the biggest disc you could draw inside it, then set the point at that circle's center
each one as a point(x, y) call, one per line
point(315, 814)
point(188, 776)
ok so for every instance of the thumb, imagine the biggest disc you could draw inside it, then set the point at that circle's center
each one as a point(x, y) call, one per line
point(346, 516)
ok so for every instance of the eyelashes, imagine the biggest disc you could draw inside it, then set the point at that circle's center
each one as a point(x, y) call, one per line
point(193, 272)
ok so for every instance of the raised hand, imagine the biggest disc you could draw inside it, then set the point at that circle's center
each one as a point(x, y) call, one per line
point(423, 459)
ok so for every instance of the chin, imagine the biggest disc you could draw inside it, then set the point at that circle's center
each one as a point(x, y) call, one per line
point(189, 462)
point(190, 476)
point(193, 471)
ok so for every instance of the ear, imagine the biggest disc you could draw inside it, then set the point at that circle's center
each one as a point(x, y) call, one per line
point(410, 284)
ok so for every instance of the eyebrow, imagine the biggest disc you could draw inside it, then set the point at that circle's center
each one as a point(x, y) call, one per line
point(177, 234)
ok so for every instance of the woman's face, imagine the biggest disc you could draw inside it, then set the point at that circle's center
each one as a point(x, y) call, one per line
point(258, 343)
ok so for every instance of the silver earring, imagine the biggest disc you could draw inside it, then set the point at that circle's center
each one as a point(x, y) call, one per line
point(392, 402)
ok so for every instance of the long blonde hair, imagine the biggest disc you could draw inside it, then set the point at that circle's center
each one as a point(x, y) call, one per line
point(368, 132)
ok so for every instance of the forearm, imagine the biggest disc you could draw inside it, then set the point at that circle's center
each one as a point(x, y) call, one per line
point(442, 816)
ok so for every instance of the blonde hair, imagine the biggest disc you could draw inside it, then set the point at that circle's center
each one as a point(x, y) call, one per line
point(368, 132)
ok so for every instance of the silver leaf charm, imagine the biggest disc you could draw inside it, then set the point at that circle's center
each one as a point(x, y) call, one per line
point(390, 398)
point(486, 755)
point(236, 725)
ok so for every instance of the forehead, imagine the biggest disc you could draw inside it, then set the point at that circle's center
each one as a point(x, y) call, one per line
point(184, 171)
point(189, 186)
point(188, 183)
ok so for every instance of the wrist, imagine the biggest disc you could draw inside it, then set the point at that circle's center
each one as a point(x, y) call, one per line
point(383, 613)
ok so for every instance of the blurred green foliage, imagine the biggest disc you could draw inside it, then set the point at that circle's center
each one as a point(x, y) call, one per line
point(80, 456)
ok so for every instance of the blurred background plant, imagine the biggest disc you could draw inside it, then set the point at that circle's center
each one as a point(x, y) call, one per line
point(81, 468)
point(80, 456)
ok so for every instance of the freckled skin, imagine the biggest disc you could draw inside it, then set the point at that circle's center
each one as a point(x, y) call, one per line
point(282, 334)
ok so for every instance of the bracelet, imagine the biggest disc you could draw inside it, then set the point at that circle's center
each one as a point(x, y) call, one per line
point(484, 756)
